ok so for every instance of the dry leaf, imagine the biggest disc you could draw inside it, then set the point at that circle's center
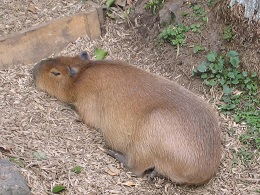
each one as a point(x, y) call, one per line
point(129, 2)
point(237, 92)
point(31, 8)
point(129, 183)
point(111, 170)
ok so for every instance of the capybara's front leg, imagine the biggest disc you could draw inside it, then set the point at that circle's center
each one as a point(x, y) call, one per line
point(118, 156)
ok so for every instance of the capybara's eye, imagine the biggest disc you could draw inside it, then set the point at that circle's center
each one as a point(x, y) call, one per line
point(55, 73)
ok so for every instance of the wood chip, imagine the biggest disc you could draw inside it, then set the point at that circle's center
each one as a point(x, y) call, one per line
point(111, 170)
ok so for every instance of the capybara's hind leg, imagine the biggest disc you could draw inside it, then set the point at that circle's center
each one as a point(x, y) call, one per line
point(152, 174)
point(118, 156)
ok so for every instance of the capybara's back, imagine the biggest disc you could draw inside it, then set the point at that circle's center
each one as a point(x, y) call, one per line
point(150, 122)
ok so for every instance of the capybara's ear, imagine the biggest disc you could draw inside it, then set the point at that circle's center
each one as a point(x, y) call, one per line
point(84, 55)
point(73, 71)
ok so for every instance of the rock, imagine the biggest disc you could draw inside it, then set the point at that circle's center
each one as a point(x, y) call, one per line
point(166, 17)
point(11, 180)
point(170, 13)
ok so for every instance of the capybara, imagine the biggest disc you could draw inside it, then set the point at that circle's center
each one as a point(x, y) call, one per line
point(148, 122)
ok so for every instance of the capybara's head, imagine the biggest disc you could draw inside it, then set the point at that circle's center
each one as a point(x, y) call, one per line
point(57, 75)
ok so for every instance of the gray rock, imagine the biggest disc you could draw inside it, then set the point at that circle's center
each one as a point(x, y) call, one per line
point(11, 180)
point(170, 14)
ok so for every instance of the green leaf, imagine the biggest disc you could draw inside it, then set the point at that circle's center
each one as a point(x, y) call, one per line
point(235, 82)
point(244, 73)
point(100, 54)
point(212, 56)
point(202, 67)
point(109, 3)
point(204, 76)
point(228, 106)
point(234, 61)
point(212, 82)
point(253, 74)
point(231, 75)
point(232, 54)
point(76, 169)
point(57, 189)
point(248, 86)
point(196, 7)
point(247, 80)
point(39, 155)
point(222, 81)
point(219, 67)
point(226, 99)
point(204, 19)
point(227, 90)
point(198, 48)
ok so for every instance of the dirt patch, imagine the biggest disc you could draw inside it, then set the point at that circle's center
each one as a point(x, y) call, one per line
point(246, 33)
point(33, 121)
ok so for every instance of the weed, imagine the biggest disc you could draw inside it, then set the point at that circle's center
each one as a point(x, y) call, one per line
point(76, 169)
point(198, 12)
point(198, 48)
point(211, 3)
point(228, 34)
point(154, 5)
point(184, 14)
point(196, 27)
point(244, 155)
point(175, 34)
point(240, 90)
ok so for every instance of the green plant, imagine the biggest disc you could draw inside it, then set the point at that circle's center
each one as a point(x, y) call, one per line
point(244, 155)
point(76, 169)
point(109, 3)
point(198, 12)
point(100, 54)
point(240, 90)
point(228, 34)
point(198, 48)
point(184, 14)
point(58, 189)
point(211, 3)
point(196, 27)
point(175, 34)
point(153, 5)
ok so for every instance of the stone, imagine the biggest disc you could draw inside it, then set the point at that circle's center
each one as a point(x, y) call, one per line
point(170, 13)
point(11, 180)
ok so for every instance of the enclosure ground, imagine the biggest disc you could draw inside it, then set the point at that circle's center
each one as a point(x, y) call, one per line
point(32, 121)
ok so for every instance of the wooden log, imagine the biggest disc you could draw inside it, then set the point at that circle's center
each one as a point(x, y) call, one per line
point(36, 43)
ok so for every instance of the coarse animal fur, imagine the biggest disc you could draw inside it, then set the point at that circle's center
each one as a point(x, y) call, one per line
point(147, 121)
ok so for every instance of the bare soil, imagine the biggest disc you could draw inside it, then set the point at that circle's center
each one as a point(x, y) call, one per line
point(32, 121)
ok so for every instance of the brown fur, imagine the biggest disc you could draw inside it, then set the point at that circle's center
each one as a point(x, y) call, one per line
point(152, 121)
